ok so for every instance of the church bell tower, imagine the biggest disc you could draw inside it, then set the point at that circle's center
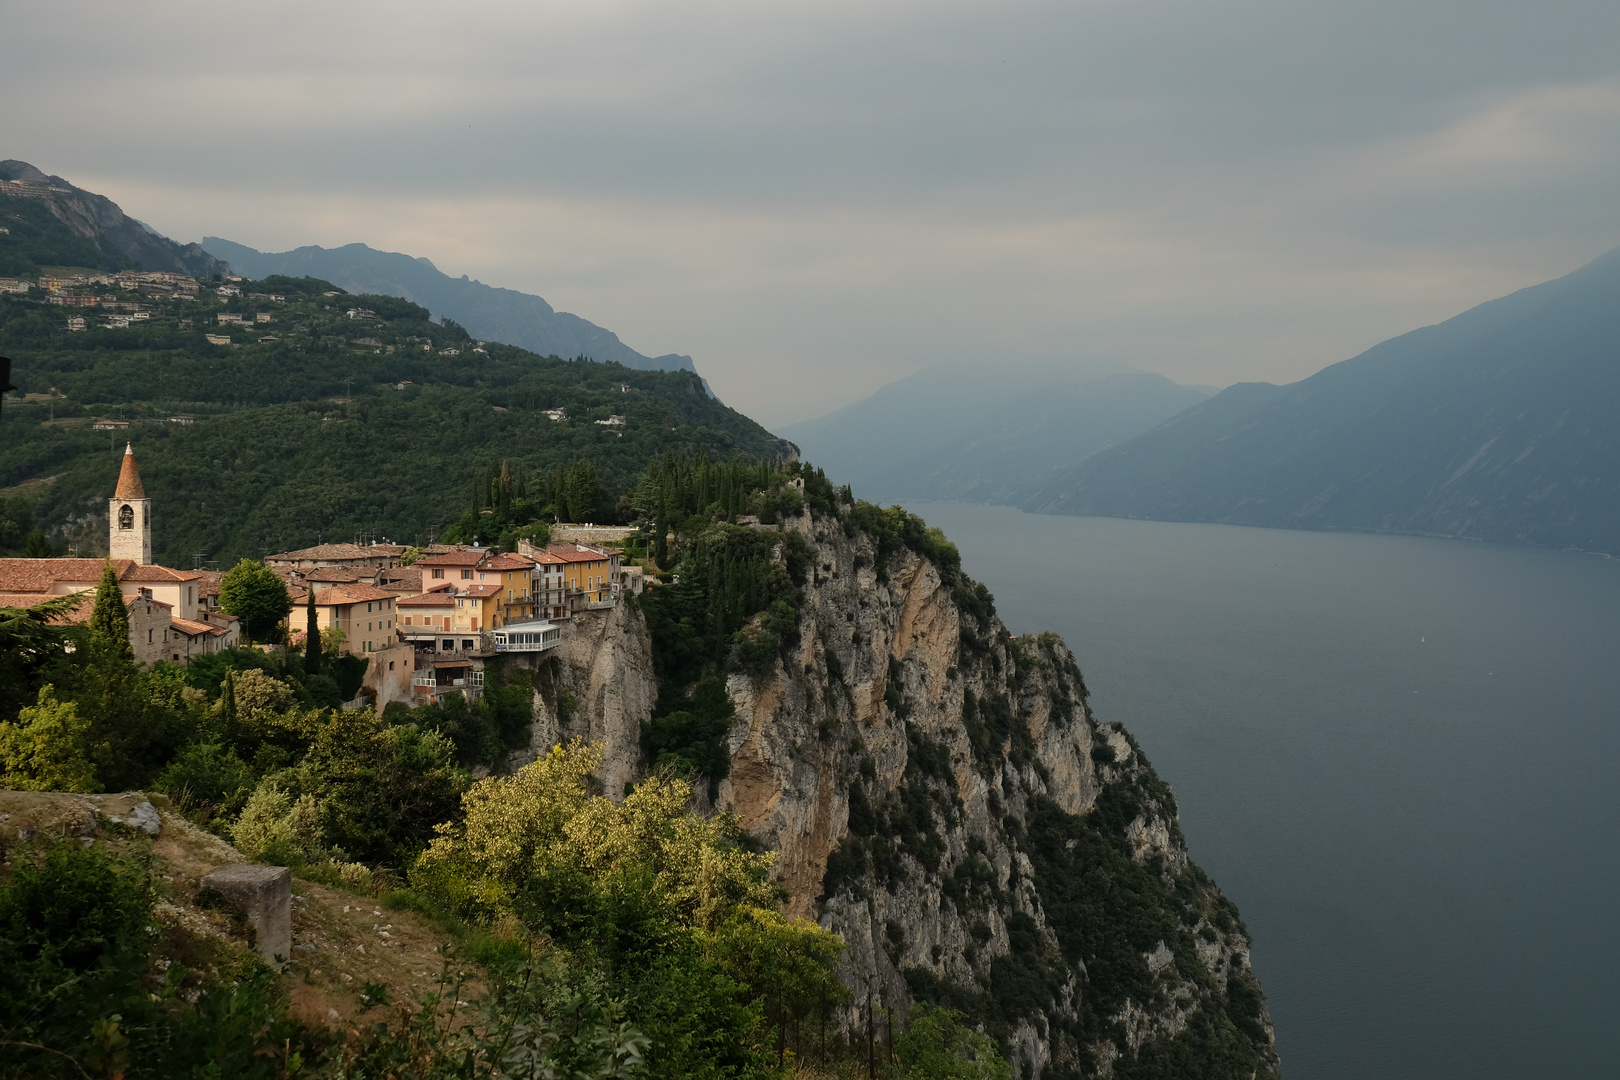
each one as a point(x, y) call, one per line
point(129, 515)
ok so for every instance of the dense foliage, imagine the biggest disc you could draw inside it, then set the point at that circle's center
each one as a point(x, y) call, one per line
point(318, 425)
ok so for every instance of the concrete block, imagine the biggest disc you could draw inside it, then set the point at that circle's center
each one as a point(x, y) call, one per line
point(265, 894)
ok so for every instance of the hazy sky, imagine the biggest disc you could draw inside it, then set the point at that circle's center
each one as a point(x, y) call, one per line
point(813, 199)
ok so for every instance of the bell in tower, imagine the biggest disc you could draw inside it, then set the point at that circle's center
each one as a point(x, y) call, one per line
point(129, 515)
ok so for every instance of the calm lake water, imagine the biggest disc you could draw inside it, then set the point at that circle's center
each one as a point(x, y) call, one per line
point(1397, 755)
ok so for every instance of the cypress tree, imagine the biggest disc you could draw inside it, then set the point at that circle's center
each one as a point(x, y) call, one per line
point(109, 620)
point(312, 635)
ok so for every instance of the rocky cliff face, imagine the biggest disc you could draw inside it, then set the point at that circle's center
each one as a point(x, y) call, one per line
point(942, 797)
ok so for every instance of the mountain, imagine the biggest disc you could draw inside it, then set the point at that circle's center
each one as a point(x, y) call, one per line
point(506, 315)
point(265, 436)
point(983, 436)
point(1499, 424)
point(50, 222)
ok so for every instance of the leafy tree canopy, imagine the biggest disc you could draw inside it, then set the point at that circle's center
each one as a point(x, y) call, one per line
point(253, 593)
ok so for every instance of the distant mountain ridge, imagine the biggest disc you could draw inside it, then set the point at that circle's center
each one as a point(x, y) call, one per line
point(59, 220)
point(990, 435)
point(495, 314)
point(1502, 423)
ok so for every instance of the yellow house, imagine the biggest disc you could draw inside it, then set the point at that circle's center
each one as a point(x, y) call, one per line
point(365, 615)
point(478, 608)
point(586, 572)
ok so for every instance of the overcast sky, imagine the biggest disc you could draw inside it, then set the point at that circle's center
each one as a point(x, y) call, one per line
point(814, 199)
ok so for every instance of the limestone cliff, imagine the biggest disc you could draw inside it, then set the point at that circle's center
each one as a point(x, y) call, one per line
point(941, 796)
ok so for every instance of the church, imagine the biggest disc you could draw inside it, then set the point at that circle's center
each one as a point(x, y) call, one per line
point(169, 618)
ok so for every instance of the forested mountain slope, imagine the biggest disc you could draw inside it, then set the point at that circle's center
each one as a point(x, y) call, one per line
point(316, 424)
point(1498, 424)
point(517, 318)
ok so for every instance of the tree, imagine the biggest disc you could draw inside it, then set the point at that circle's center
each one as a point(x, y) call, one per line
point(312, 636)
point(47, 748)
point(253, 593)
point(937, 1045)
point(109, 620)
point(33, 641)
point(38, 546)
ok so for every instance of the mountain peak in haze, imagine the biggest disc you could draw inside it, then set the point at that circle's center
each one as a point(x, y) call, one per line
point(61, 221)
point(505, 315)
point(1497, 424)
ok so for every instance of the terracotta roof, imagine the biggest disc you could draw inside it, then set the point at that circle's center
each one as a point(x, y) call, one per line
point(161, 574)
point(452, 663)
point(400, 579)
point(432, 599)
point(194, 629)
point(452, 558)
point(208, 582)
point(38, 575)
point(334, 574)
point(573, 554)
point(507, 562)
point(133, 600)
point(129, 477)
point(546, 558)
point(481, 590)
point(441, 549)
point(339, 551)
point(79, 612)
point(350, 594)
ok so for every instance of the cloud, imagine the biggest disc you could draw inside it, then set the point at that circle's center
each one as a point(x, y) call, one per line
point(813, 198)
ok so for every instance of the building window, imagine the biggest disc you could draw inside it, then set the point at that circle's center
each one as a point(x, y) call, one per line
point(149, 637)
point(466, 575)
point(467, 645)
point(126, 517)
point(390, 665)
point(438, 573)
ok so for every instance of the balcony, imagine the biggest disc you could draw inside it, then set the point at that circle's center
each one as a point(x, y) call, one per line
point(529, 637)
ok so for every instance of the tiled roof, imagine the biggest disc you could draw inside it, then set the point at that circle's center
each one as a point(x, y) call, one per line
point(481, 590)
point(350, 594)
point(507, 562)
point(334, 574)
point(339, 551)
point(195, 629)
point(159, 574)
point(572, 554)
point(432, 599)
point(38, 575)
point(208, 582)
point(79, 612)
point(453, 558)
point(129, 477)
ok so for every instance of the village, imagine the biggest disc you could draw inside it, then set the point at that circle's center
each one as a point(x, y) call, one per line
point(425, 618)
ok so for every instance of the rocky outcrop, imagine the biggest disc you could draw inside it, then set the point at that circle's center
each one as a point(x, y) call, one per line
point(941, 796)
point(598, 685)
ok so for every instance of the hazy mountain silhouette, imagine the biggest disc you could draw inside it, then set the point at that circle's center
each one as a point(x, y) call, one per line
point(985, 435)
point(504, 315)
point(1502, 423)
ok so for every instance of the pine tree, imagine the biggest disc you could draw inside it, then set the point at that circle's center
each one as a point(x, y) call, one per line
point(312, 636)
point(109, 620)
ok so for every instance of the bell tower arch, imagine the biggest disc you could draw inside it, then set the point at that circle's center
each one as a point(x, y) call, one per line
point(129, 515)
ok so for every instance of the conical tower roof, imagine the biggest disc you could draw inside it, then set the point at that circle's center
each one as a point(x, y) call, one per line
point(129, 478)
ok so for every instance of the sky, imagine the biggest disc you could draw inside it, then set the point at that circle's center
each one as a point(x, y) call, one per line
point(816, 199)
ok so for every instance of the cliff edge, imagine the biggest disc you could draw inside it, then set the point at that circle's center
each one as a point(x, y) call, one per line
point(942, 797)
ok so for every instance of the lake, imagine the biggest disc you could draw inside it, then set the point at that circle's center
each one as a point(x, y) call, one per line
point(1397, 755)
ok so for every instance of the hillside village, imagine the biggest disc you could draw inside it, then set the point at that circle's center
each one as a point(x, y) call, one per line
point(426, 619)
